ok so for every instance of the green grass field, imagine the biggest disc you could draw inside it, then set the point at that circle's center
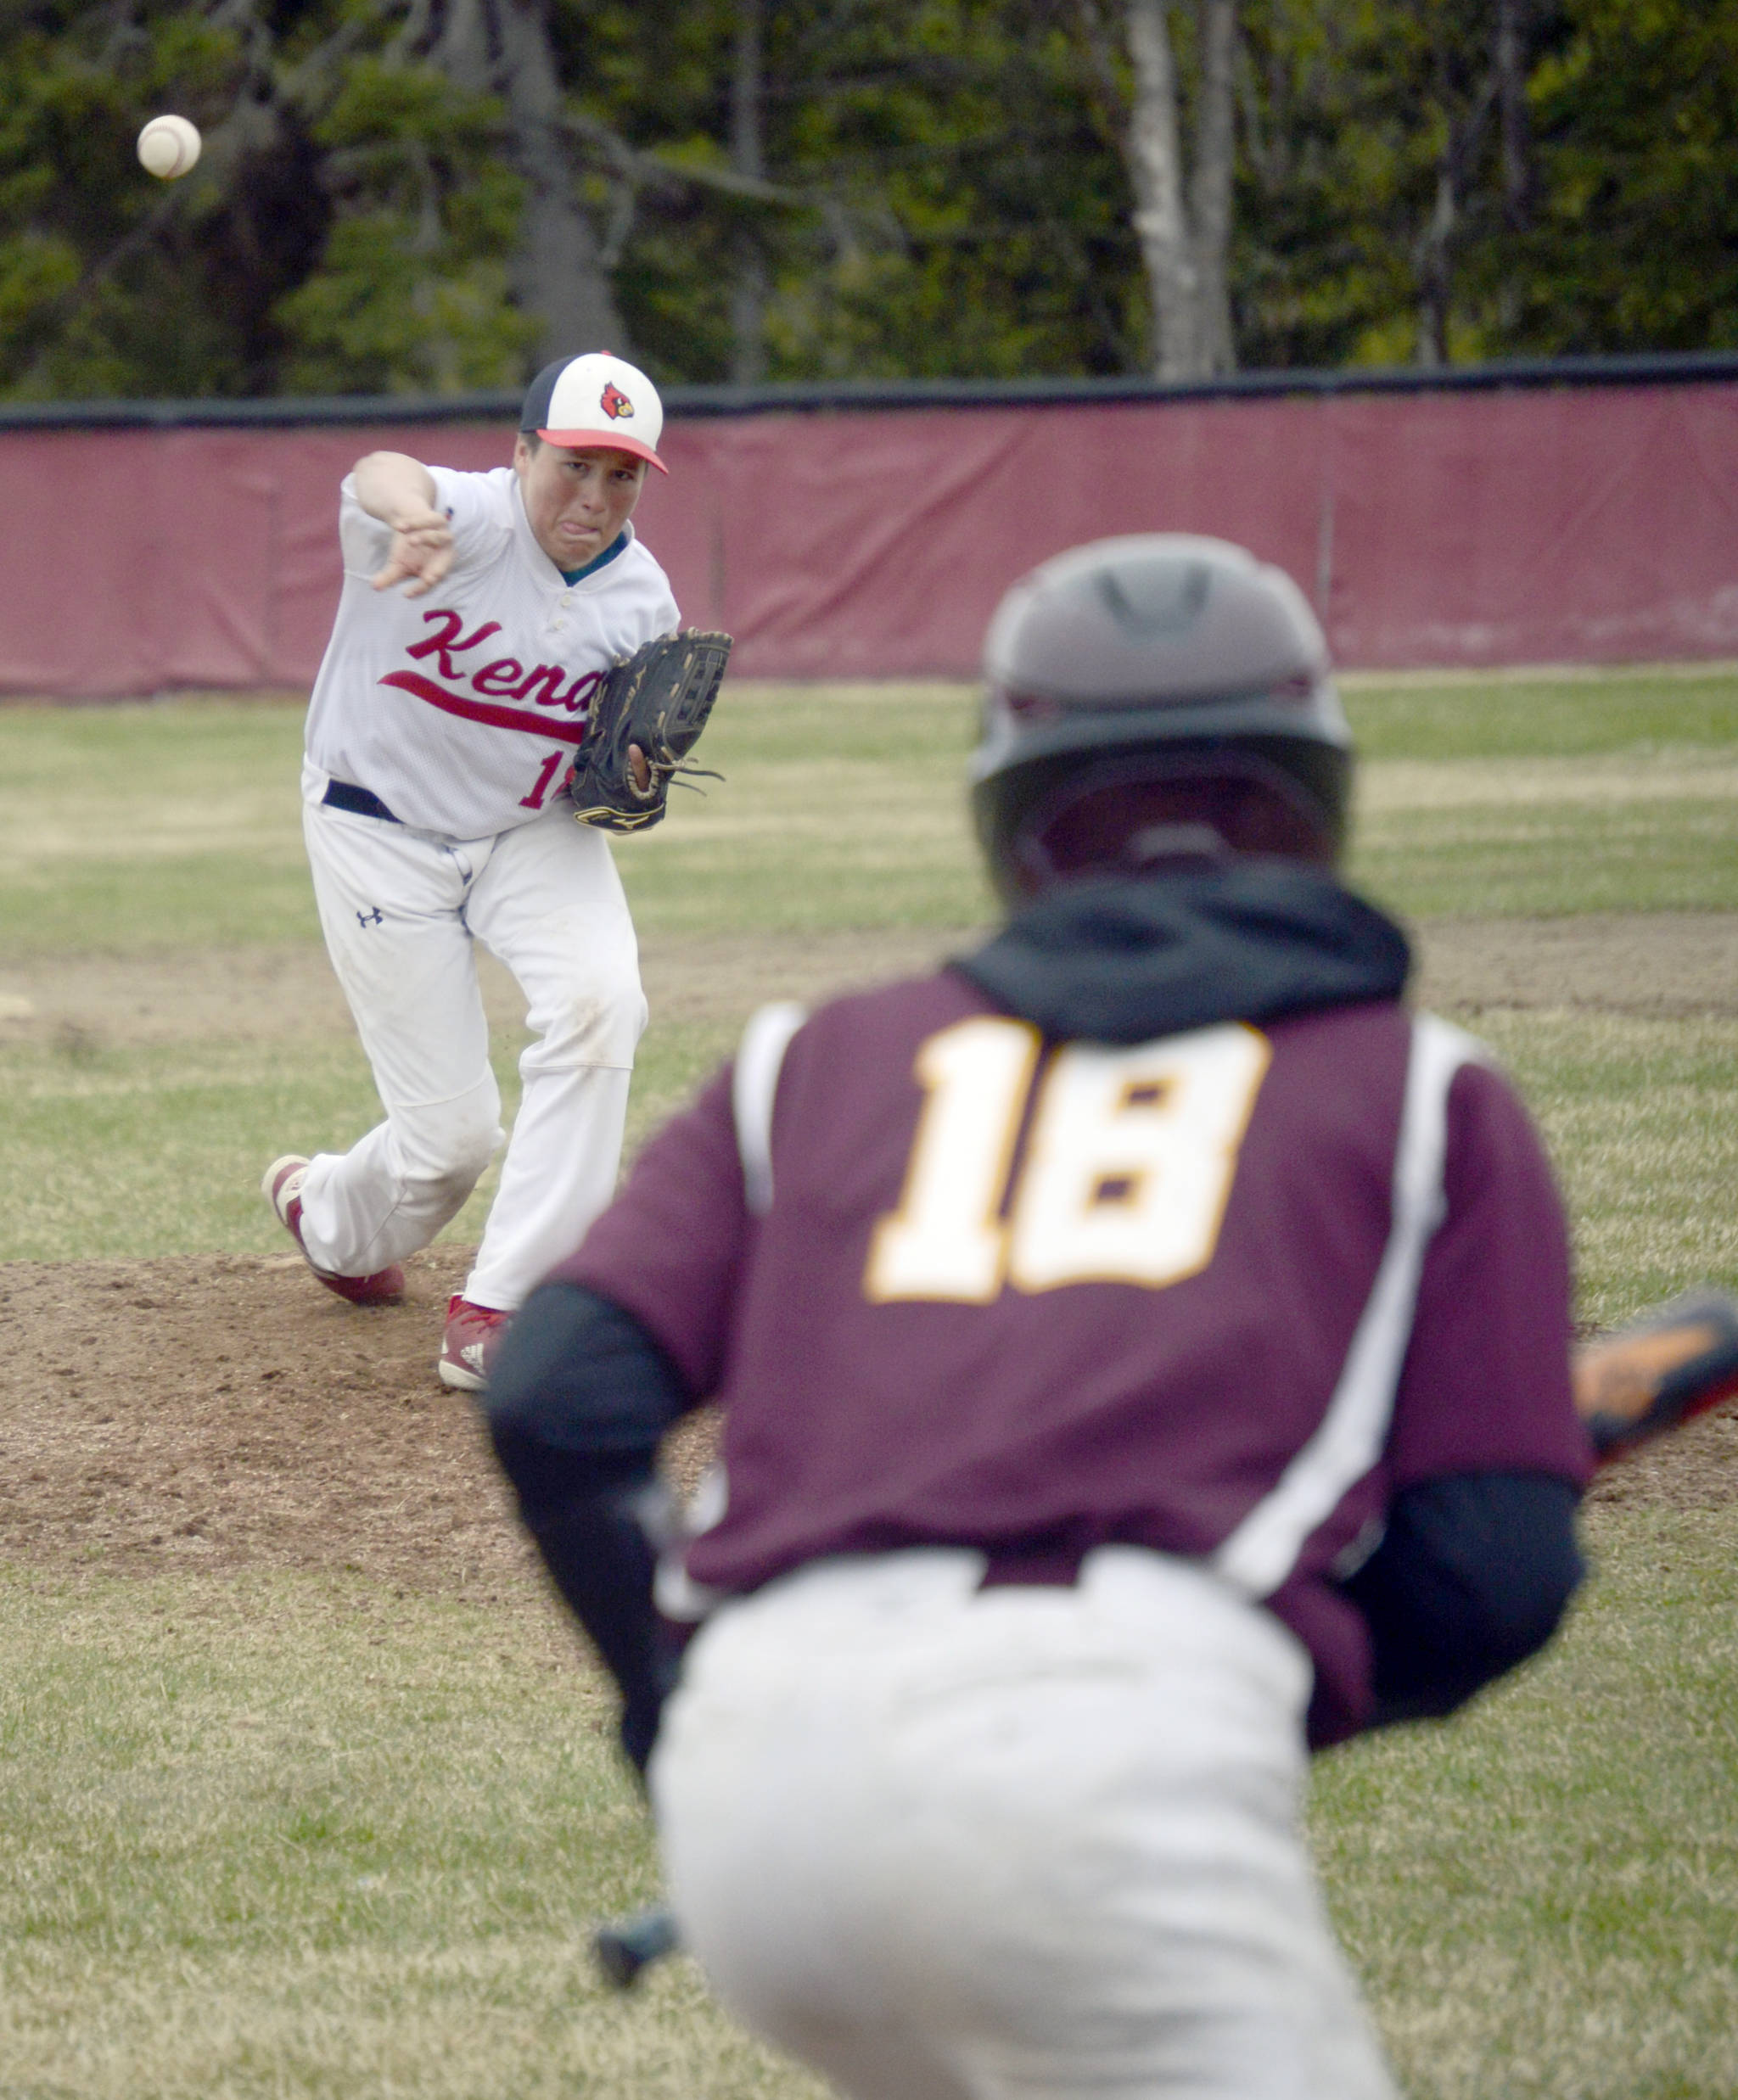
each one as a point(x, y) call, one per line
point(286, 1836)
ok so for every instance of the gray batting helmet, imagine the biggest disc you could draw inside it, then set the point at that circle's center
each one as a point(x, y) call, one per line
point(1151, 697)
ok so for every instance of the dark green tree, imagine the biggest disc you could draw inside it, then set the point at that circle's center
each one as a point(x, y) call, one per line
point(915, 187)
point(1634, 242)
point(344, 228)
point(109, 281)
point(1371, 214)
point(410, 292)
point(414, 195)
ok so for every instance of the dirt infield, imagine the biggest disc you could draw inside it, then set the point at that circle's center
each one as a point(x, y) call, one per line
point(222, 1412)
point(1662, 963)
point(225, 1413)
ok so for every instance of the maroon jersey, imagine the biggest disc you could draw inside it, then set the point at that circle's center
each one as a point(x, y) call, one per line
point(1220, 1295)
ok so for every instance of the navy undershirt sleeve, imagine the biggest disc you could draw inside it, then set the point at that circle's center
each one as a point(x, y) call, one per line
point(579, 1398)
point(1473, 1576)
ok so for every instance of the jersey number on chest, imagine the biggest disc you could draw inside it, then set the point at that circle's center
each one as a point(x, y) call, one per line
point(541, 786)
point(1123, 1175)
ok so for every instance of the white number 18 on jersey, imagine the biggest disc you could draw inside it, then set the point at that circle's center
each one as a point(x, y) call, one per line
point(1123, 1177)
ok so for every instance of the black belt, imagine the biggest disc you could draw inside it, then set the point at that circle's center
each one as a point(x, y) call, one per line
point(1032, 1564)
point(359, 801)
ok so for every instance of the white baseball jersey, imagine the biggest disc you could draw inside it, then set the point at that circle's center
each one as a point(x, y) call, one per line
point(462, 709)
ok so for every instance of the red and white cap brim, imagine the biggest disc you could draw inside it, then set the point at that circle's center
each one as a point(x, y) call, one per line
point(600, 440)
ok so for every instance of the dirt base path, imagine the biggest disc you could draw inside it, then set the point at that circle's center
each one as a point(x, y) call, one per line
point(1662, 963)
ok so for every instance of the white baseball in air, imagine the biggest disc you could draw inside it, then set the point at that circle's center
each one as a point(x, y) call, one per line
point(169, 146)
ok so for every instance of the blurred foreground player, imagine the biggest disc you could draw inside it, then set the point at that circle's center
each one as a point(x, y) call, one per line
point(1145, 1353)
point(444, 717)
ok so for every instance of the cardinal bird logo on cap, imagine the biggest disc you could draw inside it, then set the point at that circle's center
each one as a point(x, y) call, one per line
point(612, 401)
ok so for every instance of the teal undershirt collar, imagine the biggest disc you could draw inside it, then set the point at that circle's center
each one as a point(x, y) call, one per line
point(597, 561)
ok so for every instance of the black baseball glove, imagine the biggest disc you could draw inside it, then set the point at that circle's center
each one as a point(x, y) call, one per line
point(654, 704)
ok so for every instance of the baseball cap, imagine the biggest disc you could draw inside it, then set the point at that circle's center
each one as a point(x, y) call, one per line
point(595, 399)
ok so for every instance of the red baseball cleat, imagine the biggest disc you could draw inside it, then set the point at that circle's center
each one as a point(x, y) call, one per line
point(472, 1333)
point(282, 1188)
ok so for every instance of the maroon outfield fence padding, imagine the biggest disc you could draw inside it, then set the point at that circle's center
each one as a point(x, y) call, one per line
point(1516, 515)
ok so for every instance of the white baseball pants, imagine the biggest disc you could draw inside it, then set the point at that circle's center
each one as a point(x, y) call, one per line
point(1021, 1844)
point(401, 909)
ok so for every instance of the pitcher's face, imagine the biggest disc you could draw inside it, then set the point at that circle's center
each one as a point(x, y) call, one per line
point(577, 497)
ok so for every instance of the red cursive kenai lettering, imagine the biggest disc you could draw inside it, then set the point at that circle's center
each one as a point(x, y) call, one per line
point(502, 677)
point(443, 646)
point(544, 686)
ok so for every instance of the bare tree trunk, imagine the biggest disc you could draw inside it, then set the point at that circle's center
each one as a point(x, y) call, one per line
point(1431, 263)
point(1433, 251)
point(1508, 62)
point(1435, 284)
point(1210, 185)
point(1156, 170)
point(1511, 67)
point(502, 48)
point(748, 158)
point(1182, 220)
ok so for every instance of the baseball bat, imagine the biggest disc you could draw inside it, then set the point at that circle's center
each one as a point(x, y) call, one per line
point(622, 1950)
point(1671, 1364)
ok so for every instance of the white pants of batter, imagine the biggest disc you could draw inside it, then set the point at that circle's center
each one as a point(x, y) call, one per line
point(946, 1845)
point(401, 909)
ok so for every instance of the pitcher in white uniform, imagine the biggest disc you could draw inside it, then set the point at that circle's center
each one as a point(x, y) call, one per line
point(479, 613)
